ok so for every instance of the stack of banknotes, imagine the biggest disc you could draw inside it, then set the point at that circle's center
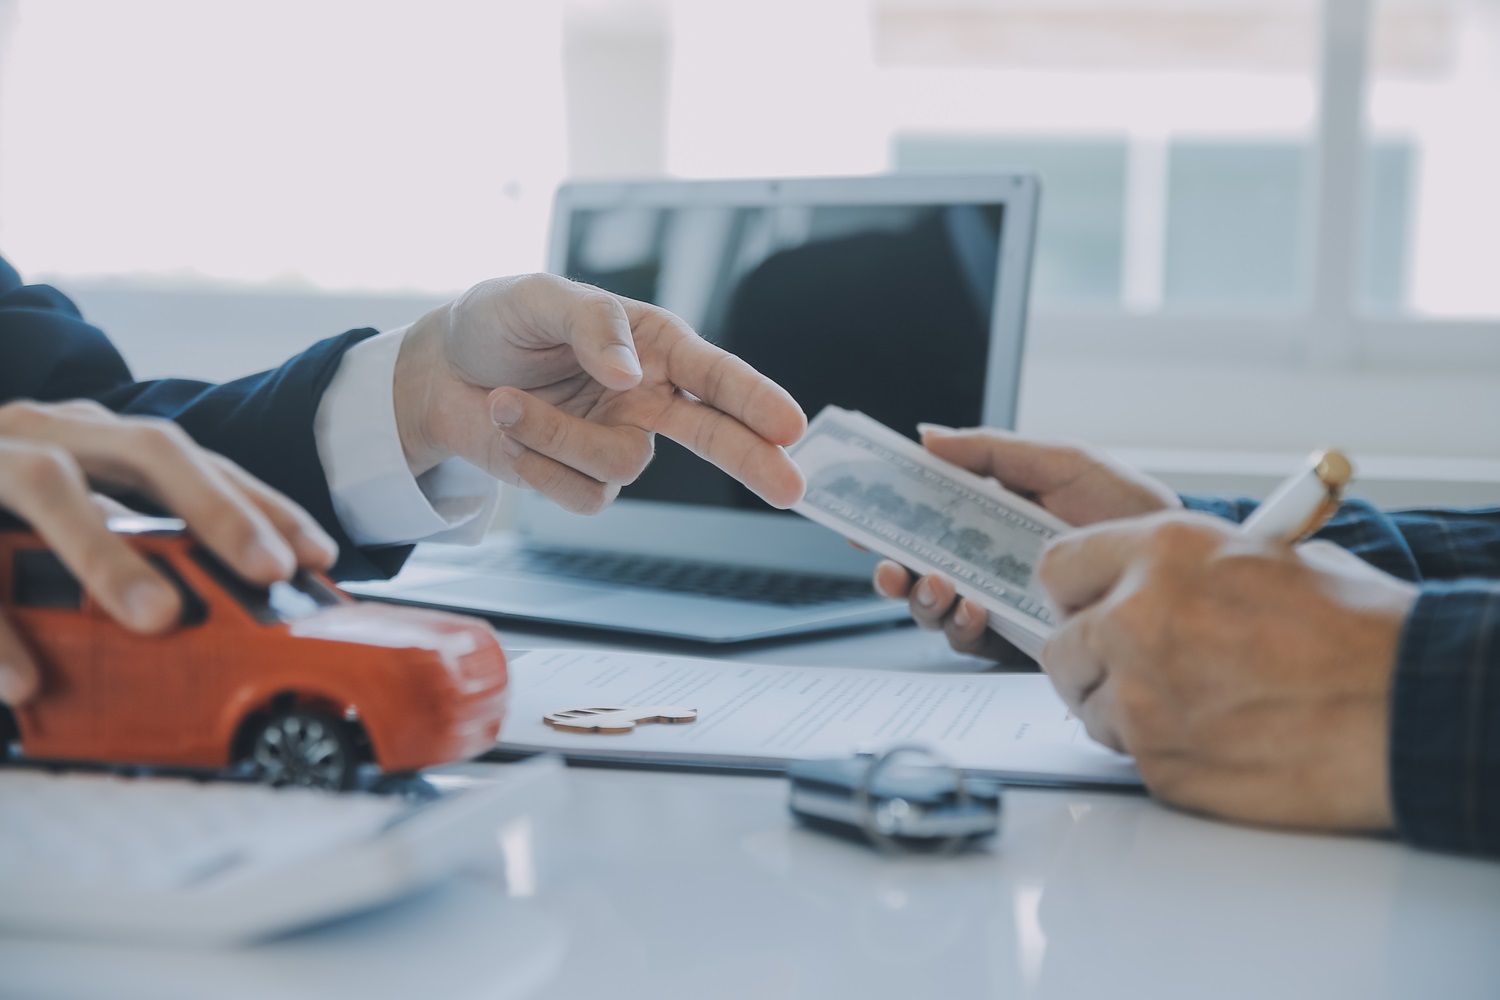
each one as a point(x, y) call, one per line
point(890, 495)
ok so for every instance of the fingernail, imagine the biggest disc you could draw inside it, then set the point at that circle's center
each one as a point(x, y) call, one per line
point(505, 410)
point(961, 616)
point(318, 547)
point(324, 544)
point(935, 429)
point(13, 687)
point(924, 594)
point(272, 553)
point(511, 446)
point(623, 358)
point(145, 601)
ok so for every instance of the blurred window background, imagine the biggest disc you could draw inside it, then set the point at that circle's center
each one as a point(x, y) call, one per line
point(1433, 148)
point(1248, 204)
point(1181, 175)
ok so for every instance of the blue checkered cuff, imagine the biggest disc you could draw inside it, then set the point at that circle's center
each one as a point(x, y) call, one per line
point(1445, 720)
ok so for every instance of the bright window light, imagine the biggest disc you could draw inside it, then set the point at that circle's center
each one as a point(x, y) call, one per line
point(330, 145)
point(1434, 115)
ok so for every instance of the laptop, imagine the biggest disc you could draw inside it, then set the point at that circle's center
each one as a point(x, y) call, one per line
point(903, 296)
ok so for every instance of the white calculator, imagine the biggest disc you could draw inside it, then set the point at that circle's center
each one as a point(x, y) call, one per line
point(189, 862)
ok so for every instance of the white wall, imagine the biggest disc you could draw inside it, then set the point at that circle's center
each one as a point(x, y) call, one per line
point(217, 336)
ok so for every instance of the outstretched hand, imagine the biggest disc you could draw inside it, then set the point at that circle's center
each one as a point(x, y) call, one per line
point(561, 386)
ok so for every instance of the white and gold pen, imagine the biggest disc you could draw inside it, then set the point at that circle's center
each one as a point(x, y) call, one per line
point(1305, 501)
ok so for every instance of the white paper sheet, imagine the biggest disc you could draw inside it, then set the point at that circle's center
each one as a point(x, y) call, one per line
point(1010, 726)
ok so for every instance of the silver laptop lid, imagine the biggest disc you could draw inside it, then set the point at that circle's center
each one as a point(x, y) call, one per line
point(903, 297)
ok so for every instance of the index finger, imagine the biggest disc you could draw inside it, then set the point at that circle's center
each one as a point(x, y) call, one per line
point(1079, 568)
point(1018, 462)
point(47, 490)
point(721, 439)
point(722, 380)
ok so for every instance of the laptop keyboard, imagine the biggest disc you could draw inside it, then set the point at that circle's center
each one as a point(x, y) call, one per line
point(676, 575)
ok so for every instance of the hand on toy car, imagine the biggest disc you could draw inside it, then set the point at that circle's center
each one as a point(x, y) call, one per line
point(52, 456)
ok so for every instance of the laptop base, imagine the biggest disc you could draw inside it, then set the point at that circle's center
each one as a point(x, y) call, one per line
point(494, 580)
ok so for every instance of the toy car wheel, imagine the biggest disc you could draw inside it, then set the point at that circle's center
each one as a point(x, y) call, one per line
point(304, 748)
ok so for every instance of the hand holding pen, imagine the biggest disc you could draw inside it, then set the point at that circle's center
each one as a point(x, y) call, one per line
point(1304, 501)
point(1249, 676)
point(1083, 486)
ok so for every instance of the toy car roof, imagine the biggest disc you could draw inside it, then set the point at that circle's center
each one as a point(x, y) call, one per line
point(139, 524)
point(133, 524)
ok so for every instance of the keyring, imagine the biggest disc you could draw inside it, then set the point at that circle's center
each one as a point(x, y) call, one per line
point(882, 822)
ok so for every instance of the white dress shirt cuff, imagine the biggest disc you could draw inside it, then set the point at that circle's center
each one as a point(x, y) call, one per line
point(377, 499)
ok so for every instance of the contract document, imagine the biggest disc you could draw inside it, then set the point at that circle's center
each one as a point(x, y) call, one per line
point(1012, 727)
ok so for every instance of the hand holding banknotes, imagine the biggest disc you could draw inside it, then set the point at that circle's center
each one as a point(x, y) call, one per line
point(1079, 485)
point(1248, 678)
point(887, 494)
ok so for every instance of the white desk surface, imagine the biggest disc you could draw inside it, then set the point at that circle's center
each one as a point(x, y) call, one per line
point(654, 884)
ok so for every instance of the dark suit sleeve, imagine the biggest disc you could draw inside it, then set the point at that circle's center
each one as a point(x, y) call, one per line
point(263, 422)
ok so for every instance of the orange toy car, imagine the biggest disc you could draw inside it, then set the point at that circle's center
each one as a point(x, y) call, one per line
point(298, 683)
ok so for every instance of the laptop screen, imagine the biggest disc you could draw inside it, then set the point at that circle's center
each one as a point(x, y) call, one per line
point(880, 308)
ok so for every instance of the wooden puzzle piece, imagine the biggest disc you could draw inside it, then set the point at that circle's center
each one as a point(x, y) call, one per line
point(616, 719)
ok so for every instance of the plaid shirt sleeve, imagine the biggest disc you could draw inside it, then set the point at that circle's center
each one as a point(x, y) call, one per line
point(1445, 694)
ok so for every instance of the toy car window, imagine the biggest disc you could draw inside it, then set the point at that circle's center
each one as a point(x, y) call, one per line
point(302, 595)
point(249, 596)
point(194, 610)
point(40, 580)
point(286, 601)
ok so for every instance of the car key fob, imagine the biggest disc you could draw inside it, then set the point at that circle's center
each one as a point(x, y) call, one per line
point(893, 802)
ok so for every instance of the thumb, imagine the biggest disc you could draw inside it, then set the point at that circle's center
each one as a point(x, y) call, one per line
point(594, 323)
point(1019, 464)
point(18, 674)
